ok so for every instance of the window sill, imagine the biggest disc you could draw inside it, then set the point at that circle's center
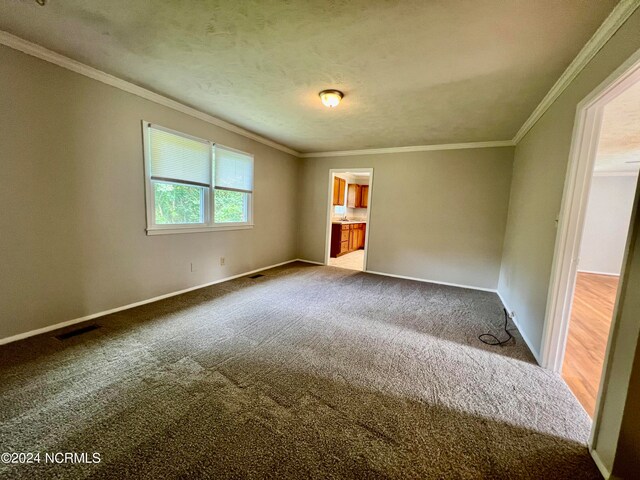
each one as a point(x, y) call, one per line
point(217, 228)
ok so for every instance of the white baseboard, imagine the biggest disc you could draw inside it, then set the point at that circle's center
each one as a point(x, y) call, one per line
point(593, 272)
point(526, 339)
point(515, 321)
point(308, 261)
point(49, 328)
point(426, 280)
point(600, 464)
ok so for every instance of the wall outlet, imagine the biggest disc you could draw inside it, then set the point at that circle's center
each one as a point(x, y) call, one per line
point(221, 260)
point(512, 314)
point(194, 268)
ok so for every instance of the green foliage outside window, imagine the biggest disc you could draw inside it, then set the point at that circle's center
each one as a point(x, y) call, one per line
point(229, 206)
point(176, 204)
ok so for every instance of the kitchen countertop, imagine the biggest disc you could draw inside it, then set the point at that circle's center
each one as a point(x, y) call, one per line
point(348, 222)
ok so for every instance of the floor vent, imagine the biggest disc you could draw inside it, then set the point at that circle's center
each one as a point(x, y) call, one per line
point(77, 331)
point(257, 275)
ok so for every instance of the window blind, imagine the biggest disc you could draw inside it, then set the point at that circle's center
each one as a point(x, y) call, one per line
point(233, 171)
point(176, 158)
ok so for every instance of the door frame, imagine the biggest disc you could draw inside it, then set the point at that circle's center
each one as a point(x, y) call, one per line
point(572, 209)
point(582, 155)
point(327, 243)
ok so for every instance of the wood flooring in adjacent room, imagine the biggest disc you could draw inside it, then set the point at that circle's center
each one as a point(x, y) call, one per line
point(306, 372)
point(591, 315)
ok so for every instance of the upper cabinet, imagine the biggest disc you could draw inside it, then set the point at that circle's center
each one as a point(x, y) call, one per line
point(339, 185)
point(358, 196)
point(353, 196)
point(364, 196)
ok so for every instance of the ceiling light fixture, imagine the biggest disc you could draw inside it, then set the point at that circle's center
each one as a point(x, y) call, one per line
point(331, 98)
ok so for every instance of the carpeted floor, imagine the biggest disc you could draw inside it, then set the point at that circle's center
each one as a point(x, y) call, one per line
point(307, 372)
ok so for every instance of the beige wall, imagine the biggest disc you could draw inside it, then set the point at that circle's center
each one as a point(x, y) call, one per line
point(540, 166)
point(72, 224)
point(436, 215)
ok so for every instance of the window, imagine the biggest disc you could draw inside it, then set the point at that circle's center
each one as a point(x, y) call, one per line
point(233, 185)
point(193, 185)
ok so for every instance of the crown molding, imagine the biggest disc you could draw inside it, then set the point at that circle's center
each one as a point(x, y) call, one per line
point(612, 23)
point(50, 56)
point(416, 148)
point(621, 12)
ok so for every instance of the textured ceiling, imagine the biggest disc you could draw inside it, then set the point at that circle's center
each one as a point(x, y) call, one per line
point(620, 135)
point(415, 72)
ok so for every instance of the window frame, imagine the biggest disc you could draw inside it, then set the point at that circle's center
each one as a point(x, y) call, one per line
point(208, 207)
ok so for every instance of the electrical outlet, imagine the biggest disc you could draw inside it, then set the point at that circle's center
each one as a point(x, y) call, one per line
point(221, 260)
point(512, 314)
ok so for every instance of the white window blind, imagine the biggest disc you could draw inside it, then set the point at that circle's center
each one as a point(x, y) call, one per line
point(176, 158)
point(233, 170)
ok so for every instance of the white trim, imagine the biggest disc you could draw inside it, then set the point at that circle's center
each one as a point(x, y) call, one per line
point(582, 155)
point(612, 23)
point(426, 280)
point(526, 339)
point(200, 229)
point(327, 243)
point(31, 333)
point(514, 319)
point(613, 173)
point(607, 29)
point(38, 51)
point(50, 56)
point(599, 273)
point(309, 261)
point(600, 464)
point(208, 205)
point(572, 210)
point(416, 148)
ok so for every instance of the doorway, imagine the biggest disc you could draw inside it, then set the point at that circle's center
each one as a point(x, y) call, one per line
point(604, 235)
point(348, 218)
point(582, 328)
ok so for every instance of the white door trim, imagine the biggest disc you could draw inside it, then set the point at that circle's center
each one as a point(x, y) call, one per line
point(571, 221)
point(327, 243)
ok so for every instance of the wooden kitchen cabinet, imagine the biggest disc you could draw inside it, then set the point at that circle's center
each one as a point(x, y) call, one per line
point(364, 196)
point(357, 196)
point(339, 185)
point(353, 196)
point(346, 238)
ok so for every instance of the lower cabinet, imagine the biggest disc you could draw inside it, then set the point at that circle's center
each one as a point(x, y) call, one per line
point(347, 238)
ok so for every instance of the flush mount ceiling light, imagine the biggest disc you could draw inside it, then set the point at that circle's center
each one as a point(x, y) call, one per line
point(331, 98)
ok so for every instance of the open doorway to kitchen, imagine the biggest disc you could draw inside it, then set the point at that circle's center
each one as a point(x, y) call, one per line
point(348, 215)
point(595, 224)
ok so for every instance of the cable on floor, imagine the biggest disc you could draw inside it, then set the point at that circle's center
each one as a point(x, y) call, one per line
point(496, 340)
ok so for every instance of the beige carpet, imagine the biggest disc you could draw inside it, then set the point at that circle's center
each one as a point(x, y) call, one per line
point(307, 372)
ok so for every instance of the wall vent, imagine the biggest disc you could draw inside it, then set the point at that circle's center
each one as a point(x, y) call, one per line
point(77, 331)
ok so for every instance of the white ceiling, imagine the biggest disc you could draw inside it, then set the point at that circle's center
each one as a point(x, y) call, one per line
point(415, 72)
point(620, 135)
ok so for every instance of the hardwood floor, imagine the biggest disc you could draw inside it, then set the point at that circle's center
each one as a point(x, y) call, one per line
point(591, 314)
